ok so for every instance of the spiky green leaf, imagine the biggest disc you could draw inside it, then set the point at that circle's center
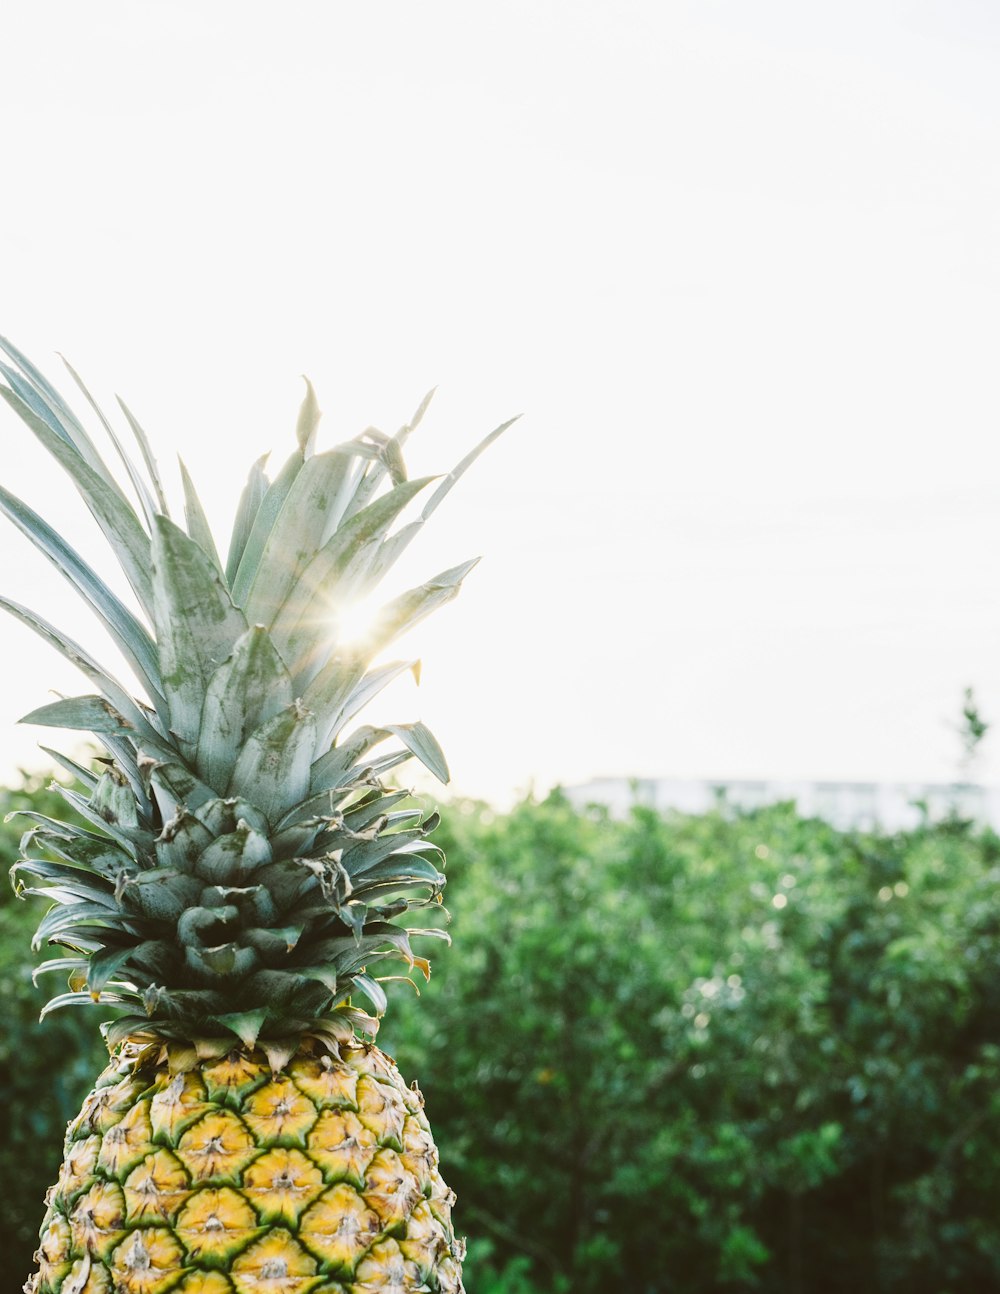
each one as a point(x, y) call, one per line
point(85, 713)
point(129, 542)
point(305, 625)
point(142, 440)
point(194, 515)
point(197, 624)
point(132, 639)
point(104, 965)
point(393, 548)
point(246, 690)
point(63, 419)
point(246, 513)
point(343, 688)
point(340, 765)
point(420, 741)
point(308, 420)
point(399, 616)
point(138, 484)
point(373, 991)
point(296, 535)
point(264, 519)
point(272, 770)
point(74, 769)
point(388, 461)
point(112, 691)
point(246, 1025)
point(77, 999)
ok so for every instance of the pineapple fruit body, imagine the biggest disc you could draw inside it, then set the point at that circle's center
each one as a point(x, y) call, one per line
point(224, 1176)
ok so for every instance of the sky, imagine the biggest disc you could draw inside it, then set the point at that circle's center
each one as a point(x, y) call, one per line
point(736, 264)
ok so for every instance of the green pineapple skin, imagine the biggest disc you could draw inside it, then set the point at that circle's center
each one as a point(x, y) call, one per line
point(230, 1178)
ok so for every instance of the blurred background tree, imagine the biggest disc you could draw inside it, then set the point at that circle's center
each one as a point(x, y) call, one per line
point(721, 1052)
point(971, 730)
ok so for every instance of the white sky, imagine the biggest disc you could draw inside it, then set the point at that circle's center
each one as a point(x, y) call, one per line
point(737, 263)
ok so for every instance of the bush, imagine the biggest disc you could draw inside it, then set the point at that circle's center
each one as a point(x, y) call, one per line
point(716, 1052)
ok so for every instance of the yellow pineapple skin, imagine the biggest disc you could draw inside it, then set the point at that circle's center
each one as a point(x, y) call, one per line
point(222, 1176)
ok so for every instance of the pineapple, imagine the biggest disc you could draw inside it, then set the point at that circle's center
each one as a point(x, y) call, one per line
point(242, 883)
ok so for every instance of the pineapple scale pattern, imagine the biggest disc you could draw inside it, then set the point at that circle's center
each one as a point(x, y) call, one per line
point(229, 1178)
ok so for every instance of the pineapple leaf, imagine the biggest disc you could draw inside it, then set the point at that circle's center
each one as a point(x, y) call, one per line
point(373, 991)
point(265, 516)
point(74, 769)
point(138, 484)
point(115, 516)
point(162, 894)
point(272, 770)
point(394, 547)
point(343, 688)
point(125, 705)
point(386, 763)
point(116, 1031)
point(46, 869)
point(59, 919)
point(131, 637)
point(194, 514)
point(303, 623)
point(147, 455)
point(78, 846)
point(177, 786)
point(295, 536)
point(363, 858)
point(103, 965)
point(196, 624)
point(309, 416)
point(121, 747)
point(279, 1053)
point(63, 419)
point(86, 713)
point(420, 741)
point(182, 839)
point(410, 427)
point(374, 808)
point(220, 816)
point(58, 963)
point(233, 855)
point(29, 397)
point(246, 513)
point(246, 1025)
point(400, 615)
point(390, 460)
point(339, 764)
point(244, 692)
point(94, 714)
point(80, 999)
point(134, 839)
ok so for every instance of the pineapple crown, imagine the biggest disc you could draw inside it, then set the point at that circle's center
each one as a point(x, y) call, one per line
point(247, 866)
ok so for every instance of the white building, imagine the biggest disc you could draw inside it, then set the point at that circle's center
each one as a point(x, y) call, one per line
point(864, 806)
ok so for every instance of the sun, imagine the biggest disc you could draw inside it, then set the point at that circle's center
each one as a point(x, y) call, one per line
point(355, 622)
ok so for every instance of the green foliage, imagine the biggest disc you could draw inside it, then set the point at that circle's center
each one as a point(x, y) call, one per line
point(715, 1053)
point(45, 1068)
point(971, 731)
